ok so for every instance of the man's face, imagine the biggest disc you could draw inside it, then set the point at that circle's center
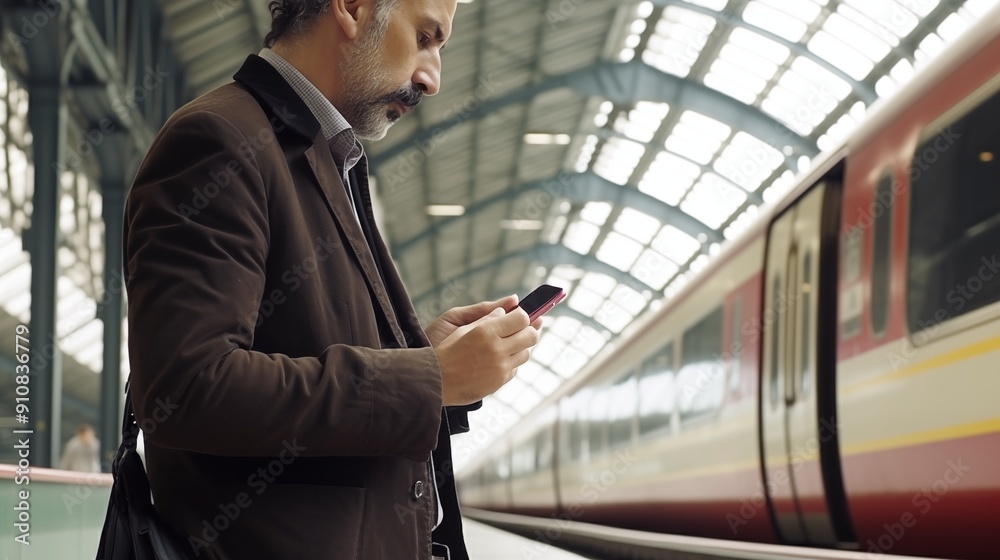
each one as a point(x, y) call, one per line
point(388, 72)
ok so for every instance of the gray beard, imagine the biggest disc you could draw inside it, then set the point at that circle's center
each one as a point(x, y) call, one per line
point(364, 76)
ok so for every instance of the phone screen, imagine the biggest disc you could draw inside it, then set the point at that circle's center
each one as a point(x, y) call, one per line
point(541, 297)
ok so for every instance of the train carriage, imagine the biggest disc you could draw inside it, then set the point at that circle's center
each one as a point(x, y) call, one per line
point(832, 379)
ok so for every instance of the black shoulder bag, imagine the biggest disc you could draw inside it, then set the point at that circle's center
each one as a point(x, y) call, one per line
point(132, 530)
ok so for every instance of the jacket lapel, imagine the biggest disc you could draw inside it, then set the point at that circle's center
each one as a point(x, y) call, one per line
point(288, 110)
point(335, 195)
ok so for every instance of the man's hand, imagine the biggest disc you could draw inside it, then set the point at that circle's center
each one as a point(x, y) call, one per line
point(456, 317)
point(479, 357)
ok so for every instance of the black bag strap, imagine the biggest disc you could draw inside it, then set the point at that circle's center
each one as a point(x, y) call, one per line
point(130, 430)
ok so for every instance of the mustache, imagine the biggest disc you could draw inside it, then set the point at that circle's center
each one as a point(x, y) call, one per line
point(407, 96)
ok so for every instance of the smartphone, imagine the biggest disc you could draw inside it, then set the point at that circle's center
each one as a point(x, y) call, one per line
point(540, 300)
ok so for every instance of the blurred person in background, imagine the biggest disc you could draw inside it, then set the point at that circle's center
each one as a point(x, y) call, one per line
point(82, 451)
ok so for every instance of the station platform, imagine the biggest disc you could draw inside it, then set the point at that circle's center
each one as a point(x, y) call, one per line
point(489, 543)
point(67, 512)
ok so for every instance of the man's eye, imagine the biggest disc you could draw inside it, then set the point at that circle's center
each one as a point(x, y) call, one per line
point(423, 39)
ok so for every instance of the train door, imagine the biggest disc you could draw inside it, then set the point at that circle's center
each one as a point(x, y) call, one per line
point(793, 425)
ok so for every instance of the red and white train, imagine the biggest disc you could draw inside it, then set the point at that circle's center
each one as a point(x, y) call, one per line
point(832, 379)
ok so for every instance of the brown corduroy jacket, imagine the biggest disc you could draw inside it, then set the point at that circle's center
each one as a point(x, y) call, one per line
point(289, 399)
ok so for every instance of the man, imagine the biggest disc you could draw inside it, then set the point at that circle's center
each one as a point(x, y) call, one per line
point(290, 400)
point(82, 451)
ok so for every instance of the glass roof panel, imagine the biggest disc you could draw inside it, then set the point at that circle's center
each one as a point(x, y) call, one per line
point(776, 21)
point(888, 30)
point(585, 301)
point(710, 4)
point(930, 47)
point(675, 244)
point(669, 177)
point(713, 199)
point(697, 137)
point(953, 27)
point(628, 299)
point(580, 236)
point(596, 212)
point(752, 61)
point(736, 90)
point(548, 348)
point(678, 38)
point(637, 225)
point(747, 161)
point(618, 158)
point(614, 317)
point(564, 327)
point(589, 341)
point(641, 123)
point(741, 75)
point(547, 383)
point(862, 33)
point(841, 55)
point(654, 269)
point(758, 45)
point(569, 362)
point(802, 11)
point(619, 251)
point(600, 284)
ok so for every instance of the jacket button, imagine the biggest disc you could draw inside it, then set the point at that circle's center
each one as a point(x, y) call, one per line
point(418, 490)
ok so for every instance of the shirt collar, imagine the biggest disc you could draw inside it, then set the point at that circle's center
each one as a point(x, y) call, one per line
point(336, 129)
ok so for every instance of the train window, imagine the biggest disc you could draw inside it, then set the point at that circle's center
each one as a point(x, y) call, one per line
point(597, 414)
point(735, 347)
point(882, 210)
point(624, 402)
point(851, 292)
point(806, 329)
point(656, 391)
point(578, 443)
point(543, 445)
point(772, 382)
point(953, 266)
point(523, 460)
point(701, 379)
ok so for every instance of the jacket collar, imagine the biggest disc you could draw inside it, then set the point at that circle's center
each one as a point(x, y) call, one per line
point(266, 83)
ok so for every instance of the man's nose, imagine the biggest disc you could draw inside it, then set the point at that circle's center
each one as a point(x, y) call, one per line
point(427, 78)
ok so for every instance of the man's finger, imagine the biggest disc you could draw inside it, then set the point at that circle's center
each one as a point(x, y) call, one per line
point(510, 323)
point(470, 313)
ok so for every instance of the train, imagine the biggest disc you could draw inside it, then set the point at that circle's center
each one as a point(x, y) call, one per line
point(831, 378)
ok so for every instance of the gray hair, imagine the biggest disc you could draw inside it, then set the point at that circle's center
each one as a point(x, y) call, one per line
point(292, 17)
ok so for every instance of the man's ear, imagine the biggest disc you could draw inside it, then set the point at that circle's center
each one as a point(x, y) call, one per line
point(350, 16)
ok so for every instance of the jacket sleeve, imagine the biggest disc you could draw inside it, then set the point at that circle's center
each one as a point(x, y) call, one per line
point(195, 253)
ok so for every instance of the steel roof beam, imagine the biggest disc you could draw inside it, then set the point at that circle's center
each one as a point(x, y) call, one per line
point(576, 187)
point(548, 254)
point(623, 83)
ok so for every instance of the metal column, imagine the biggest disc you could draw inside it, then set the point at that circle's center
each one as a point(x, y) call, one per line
point(110, 312)
point(46, 116)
